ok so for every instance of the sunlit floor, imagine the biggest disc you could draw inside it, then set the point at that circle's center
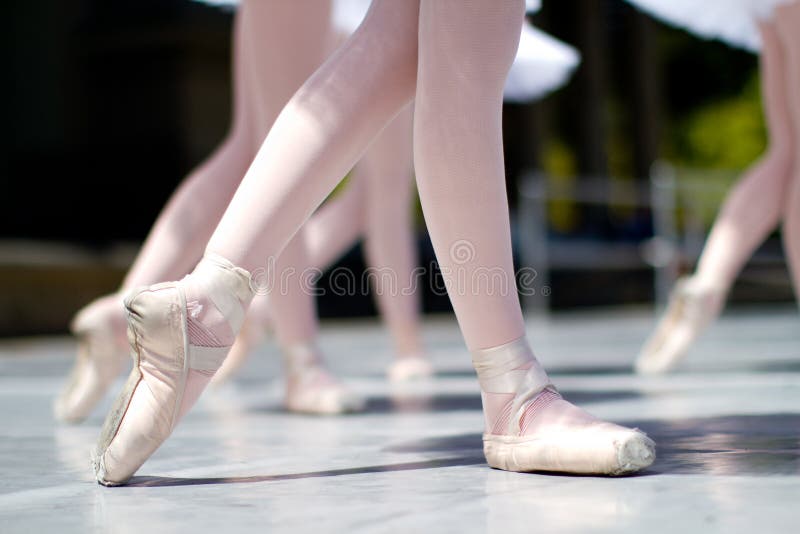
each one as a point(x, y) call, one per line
point(727, 427)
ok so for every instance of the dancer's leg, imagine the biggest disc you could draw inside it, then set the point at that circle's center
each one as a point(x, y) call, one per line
point(172, 248)
point(275, 77)
point(788, 21)
point(310, 387)
point(320, 135)
point(754, 206)
point(270, 30)
point(337, 225)
point(390, 244)
point(182, 330)
point(337, 112)
point(327, 234)
point(459, 160)
point(377, 203)
point(330, 232)
point(751, 211)
point(180, 233)
point(466, 48)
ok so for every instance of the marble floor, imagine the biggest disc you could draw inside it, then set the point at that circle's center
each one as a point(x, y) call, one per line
point(727, 427)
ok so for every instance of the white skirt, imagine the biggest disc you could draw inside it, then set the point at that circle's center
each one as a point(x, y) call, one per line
point(348, 14)
point(731, 21)
point(543, 63)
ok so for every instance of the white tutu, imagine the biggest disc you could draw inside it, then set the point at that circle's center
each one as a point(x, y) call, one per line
point(543, 63)
point(348, 14)
point(220, 3)
point(732, 21)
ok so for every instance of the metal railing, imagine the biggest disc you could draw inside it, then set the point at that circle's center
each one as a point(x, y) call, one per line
point(682, 204)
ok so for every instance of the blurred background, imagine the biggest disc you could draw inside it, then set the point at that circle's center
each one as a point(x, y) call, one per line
point(613, 180)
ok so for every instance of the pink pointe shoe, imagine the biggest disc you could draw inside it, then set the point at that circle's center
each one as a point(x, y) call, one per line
point(530, 427)
point(311, 388)
point(175, 354)
point(409, 368)
point(102, 355)
point(692, 307)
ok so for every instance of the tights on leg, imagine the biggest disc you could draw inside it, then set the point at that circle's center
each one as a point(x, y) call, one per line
point(272, 77)
point(465, 51)
point(320, 135)
point(375, 204)
point(174, 245)
point(323, 109)
point(181, 231)
point(752, 209)
point(372, 77)
point(754, 206)
point(337, 225)
point(389, 233)
point(788, 20)
point(459, 160)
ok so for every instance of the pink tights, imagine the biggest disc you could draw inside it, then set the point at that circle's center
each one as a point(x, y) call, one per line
point(769, 193)
point(325, 128)
point(452, 57)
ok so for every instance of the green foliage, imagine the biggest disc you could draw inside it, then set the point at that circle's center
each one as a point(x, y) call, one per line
point(724, 134)
point(561, 168)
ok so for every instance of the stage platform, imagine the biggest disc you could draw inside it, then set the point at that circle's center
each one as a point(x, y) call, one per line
point(727, 425)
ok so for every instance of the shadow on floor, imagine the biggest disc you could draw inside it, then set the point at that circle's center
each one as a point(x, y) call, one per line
point(727, 445)
point(778, 367)
point(152, 481)
point(420, 403)
point(738, 445)
point(594, 370)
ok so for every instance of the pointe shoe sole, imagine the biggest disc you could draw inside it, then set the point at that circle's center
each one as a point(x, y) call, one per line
point(116, 417)
point(592, 451)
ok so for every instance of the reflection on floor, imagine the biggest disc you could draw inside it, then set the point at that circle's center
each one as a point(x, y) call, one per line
point(727, 427)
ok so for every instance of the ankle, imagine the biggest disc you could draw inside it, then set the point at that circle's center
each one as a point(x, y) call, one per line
point(299, 357)
point(217, 296)
point(509, 368)
point(510, 377)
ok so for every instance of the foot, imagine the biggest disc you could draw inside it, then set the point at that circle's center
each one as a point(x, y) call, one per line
point(693, 305)
point(408, 368)
point(311, 388)
point(102, 355)
point(530, 427)
point(316, 391)
point(179, 333)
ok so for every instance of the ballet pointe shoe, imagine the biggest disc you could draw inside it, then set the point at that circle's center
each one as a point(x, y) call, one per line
point(170, 369)
point(312, 389)
point(408, 368)
point(599, 448)
point(102, 355)
point(530, 427)
point(692, 307)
